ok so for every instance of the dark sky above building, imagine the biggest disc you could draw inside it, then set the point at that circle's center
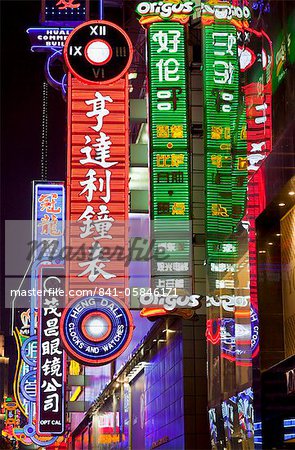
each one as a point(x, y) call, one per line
point(22, 76)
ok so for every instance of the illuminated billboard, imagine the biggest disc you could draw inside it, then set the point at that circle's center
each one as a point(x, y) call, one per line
point(169, 143)
point(225, 137)
point(98, 55)
point(48, 39)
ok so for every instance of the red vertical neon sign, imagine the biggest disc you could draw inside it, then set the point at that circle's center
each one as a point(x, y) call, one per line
point(98, 54)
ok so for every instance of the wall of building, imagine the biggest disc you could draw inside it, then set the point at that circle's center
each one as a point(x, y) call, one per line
point(164, 396)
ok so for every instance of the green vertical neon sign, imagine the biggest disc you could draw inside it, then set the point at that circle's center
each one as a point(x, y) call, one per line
point(225, 137)
point(170, 185)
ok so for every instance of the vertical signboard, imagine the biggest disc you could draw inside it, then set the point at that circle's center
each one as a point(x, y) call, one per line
point(98, 185)
point(225, 183)
point(256, 61)
point(225, 137)
point(256, 64)
point(51, 358)
point(39, 327)
point(227, 162)
point(237, 93)
point(98, 55)
point(98, 155)
point(49, 214)
point(246, 413)
point(169, 143)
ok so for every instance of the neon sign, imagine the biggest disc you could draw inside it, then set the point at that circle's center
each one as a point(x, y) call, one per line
point(11, 418)
point(237, 337)
point(256, 61)
point(174, 11)
point(246, 413)
point(213, 425)
point(61, 14)
point(169, 146)
point(225, 140)
point(48, 39)
point(70, 12)
point(228, 302)
point(98, 157)
point(98, 53)
point(170, 196)
point(254, 331)
point(229, 413)
point(51, 358)
point(213, 331)
point(95, 330)
point(49, 213)
point(220, 12)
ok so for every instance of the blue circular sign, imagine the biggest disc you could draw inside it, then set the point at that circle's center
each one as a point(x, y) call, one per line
point(96, 330)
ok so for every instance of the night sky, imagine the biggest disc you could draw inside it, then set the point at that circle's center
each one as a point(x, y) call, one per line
point(22, 75)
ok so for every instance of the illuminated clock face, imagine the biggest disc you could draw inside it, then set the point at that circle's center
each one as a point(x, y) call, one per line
point(98, 52)
point(96, 330)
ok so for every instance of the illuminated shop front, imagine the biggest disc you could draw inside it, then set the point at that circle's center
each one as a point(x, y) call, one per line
point(152, 399)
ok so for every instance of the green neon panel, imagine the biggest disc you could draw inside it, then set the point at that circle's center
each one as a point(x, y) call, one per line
point(170, 184)
point(226, 144)
point(221, 92)
point(168, 92)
